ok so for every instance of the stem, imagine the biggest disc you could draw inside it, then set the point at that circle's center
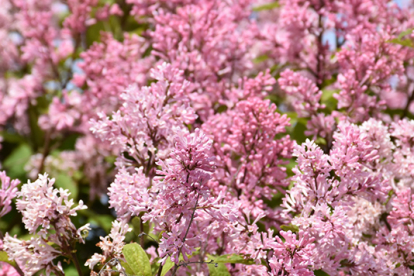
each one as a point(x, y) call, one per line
point(18, 269)
point(141, 225)
point(45, 152)
point(160, 270)
point(186, 233)
point(76, 262)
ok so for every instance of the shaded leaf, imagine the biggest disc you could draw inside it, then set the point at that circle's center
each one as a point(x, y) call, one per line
point(17, 160)
point(320, 272)
point(66, 182)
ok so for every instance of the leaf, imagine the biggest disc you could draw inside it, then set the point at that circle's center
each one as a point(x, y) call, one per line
point(17, 160)
point(220, 270)
point(266, 7)
point(320, 272)
point(66, 182)
point(290, 227)
point(406, 32)
point(231, 259)
point(71, 271)
point(261, 58)
point(298, 133)
point(5, 258)
point(167, 267)
point(137, 259)
point(403, 42)
point(127, 268)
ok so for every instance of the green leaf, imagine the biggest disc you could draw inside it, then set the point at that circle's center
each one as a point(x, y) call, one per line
point(403, 42)
point(320, 273)
point(266, 7)
point(231, 259)
point(261, 58)
point(127, 268)
point(66, 182)
point(290, 227)
point(298, 132)
point(71, 271)
point(137, 259)
point(220, 270)
point(5, 258)
point(167, 267)
point(17, 160)
point(328, 99)
point(406, 32)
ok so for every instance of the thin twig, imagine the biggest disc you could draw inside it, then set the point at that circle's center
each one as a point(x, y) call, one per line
point(76, 262)
point(186, 233)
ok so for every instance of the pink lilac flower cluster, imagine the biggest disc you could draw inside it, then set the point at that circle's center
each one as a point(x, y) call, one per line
point(228, 137)
point(46, 213)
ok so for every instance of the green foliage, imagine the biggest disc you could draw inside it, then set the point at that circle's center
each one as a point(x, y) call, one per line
point(219, 269)
point(266, 7)
point(5, 258)
point(15, 162)
point(167, 267)
point(137, 259)
point(127, 268)
point(290, 227)
point(328, 100)
point(231, 259)
point(320, 272)
point(66, 182)
point(404, 42)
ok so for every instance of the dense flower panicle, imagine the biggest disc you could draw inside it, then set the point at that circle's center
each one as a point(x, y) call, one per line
point(8, 191)
point(365, 67)
point(128, 194)
point(46, 213)
point(204, 41)
point(148, 118)
point(32, 255)
point(249, 159)
point(305, 93)
point(173, 105)
point(41, 205)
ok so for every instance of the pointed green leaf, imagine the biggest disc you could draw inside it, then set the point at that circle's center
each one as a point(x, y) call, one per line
point(5, 258)
point(127, 268)
point(231, 259)
point(220, 270)
point(266, 7)
point(137, 259)
point(167, 267)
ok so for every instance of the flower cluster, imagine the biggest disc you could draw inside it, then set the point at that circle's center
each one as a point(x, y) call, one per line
point(46, 212)
point(225, 137)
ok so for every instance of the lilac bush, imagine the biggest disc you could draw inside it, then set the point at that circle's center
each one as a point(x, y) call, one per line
point(195, 137)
